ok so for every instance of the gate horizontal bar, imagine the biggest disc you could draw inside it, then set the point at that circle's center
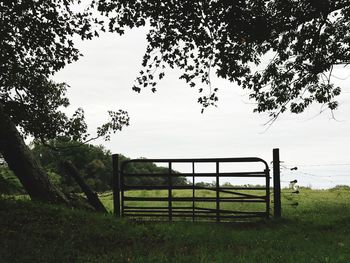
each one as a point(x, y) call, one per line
point(200, 160)
point(223, 210)
point(200, 188)
point(196, 209)
point(191, 212)
point(186, 187)
point(156, 207)
point(240, 174)
point(196, 199)
point(241, 194)
point(190, 215)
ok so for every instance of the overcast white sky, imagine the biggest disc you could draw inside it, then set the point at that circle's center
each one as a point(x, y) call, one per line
point(168, 124)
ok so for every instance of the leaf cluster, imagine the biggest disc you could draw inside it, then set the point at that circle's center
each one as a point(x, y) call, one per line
point(301, 41)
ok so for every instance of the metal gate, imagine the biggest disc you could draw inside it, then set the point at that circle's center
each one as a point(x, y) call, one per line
point(163, 202)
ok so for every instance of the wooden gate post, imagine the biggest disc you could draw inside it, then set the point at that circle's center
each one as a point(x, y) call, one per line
point(276, 183)
point(116, 185)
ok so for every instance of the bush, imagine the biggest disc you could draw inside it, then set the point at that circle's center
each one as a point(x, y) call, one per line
point(340, 187)
point(9, 183)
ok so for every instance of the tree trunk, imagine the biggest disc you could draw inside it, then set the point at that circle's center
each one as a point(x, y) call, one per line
point(92, 197)
point(21, 161)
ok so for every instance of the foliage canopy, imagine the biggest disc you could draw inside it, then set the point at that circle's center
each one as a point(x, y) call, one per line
point(37, 41)
point(301, 40)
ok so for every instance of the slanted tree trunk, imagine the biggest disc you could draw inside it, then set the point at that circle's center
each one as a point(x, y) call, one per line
point(92, 197)
point(21, 161)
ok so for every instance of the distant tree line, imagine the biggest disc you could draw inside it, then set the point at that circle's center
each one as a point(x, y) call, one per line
point(94, 164)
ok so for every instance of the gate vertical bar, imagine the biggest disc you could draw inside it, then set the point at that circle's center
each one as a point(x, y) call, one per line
point(121, 189)
point(193, 190)
point(267, 172)
point(116, 185)
point(170, 186)
point(276, 183)
point(217, 193)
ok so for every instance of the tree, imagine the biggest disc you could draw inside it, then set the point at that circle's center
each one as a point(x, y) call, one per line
point(301, 40)
point(94, 164)
point(36, 41)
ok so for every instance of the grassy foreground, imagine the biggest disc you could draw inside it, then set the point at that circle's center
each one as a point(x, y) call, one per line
point(318, 230)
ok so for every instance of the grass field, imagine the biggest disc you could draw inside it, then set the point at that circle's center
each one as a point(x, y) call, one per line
point(315, 231)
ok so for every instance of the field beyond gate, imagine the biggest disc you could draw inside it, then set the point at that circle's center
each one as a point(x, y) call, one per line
point(170, 200)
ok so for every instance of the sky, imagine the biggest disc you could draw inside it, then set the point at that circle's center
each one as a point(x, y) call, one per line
point(169, 123)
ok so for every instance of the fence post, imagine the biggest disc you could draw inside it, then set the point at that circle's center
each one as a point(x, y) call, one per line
point(170, 187)
point(116, 185)
point(193, 190)
point(267, 174)
point(276, 183)
point(217, 193)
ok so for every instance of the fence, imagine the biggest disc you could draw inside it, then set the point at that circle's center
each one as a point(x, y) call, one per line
point(191, 204)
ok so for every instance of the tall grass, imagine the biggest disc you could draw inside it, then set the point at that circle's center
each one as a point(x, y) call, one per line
point(317, 230)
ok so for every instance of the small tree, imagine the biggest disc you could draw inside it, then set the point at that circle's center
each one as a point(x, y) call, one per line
point(94, 163)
